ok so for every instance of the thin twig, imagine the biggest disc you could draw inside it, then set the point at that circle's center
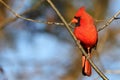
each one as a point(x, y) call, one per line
point(19, 16)
point(109, 21)
point(7, 21)
point(98, 20)
point(79, 46)
point(28, 19)
point(112, 71)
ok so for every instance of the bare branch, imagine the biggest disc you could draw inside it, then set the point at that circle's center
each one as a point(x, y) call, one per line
point(7, 21)
point(112, 71)
point(28, 19)
point(98, 20)
point(79, 46)
point(109, 21)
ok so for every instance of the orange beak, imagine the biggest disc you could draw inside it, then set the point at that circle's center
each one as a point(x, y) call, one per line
point(74, 20)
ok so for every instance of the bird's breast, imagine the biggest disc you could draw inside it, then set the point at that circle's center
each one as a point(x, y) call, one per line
point(87, 36)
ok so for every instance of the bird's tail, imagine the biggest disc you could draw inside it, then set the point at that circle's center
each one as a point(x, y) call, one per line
point(86, 67)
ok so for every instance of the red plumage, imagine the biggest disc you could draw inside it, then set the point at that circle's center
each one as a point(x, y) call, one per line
point(86, 32)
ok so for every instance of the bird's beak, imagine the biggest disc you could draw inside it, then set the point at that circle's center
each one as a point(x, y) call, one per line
point(74, 20)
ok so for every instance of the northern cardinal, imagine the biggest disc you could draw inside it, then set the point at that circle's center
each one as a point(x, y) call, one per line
point(86, 32)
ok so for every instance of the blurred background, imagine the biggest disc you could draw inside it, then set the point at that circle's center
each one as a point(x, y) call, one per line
point(37, 51)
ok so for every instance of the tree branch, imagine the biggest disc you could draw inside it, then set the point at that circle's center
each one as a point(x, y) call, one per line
point(79, 46)
point(7, 21)
point(28, 19)
point(109, 21)
point(112, 71)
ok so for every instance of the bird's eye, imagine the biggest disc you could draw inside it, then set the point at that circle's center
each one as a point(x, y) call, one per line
point(78, 18)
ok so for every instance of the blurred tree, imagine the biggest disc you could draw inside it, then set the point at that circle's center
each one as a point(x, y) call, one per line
point(100, 10)
point(3, 11)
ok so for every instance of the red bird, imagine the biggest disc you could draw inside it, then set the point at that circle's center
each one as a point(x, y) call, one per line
point(86, 32)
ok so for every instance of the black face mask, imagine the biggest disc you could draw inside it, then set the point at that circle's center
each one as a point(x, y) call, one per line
point(78, 23)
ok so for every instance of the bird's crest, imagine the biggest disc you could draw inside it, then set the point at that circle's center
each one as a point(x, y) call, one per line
point(79, 12)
